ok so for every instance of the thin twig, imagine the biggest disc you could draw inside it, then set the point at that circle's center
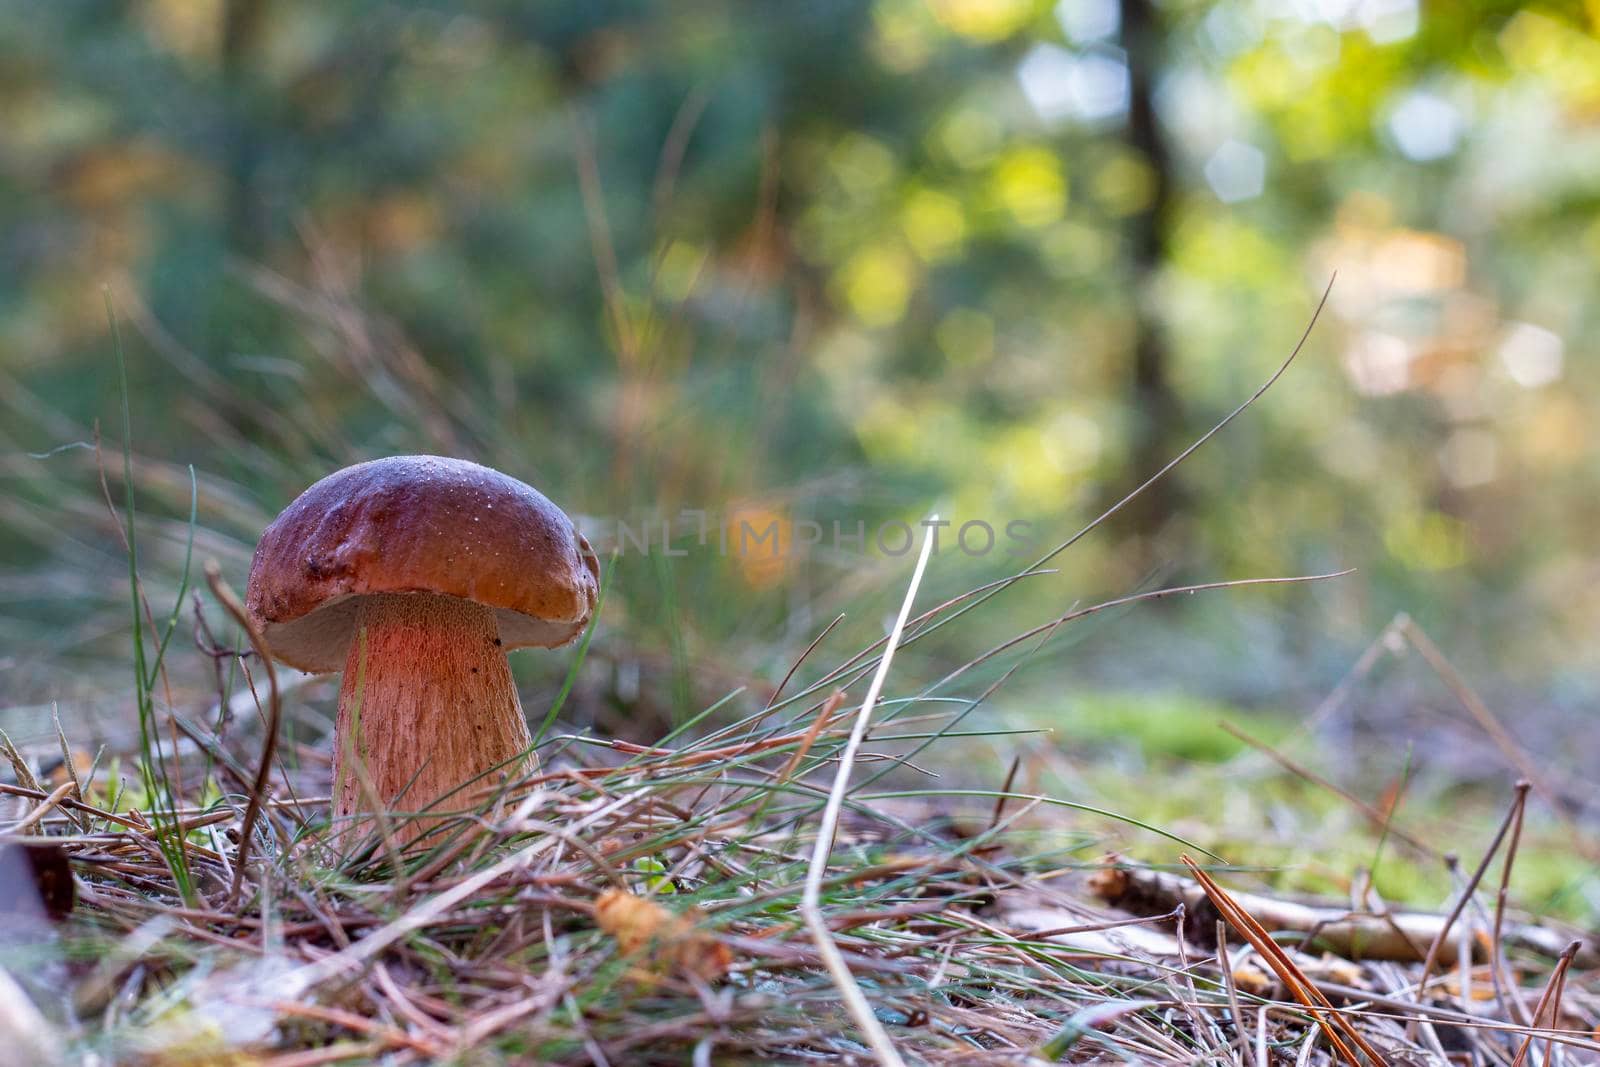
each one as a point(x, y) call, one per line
point(269, 744)
point(44, 808)
point(815, 641)
point(1380, 820)
point(1549, 1003)
point(1241, 1035)
point(1171, 465)
point(1471, 887)
point(1505, 985)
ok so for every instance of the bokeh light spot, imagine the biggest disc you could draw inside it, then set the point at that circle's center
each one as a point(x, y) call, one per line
point(877, 283)
point(1429, 541)
point(1029, 185)
point(1236, 171)
point(984, 20)
point(1425, 126)
point(934, 224)
point(1532, 355)
point(1084, 21)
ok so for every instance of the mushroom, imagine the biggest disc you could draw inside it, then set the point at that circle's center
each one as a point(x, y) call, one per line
point(416, 574)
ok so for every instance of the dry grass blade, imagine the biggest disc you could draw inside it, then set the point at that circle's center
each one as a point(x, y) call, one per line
point(811, 899)
point(19, 765)
point(69, 762)
point(809, 739)
point(426, 911)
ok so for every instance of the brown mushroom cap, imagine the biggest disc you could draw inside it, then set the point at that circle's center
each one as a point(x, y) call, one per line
point(418, 524)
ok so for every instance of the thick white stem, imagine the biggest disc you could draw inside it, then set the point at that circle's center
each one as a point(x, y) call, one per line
point(427, 705)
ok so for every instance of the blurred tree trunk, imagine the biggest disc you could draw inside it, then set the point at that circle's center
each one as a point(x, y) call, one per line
point(1157, 414)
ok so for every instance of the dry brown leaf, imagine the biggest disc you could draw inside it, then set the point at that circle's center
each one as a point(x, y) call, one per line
point(668, 941)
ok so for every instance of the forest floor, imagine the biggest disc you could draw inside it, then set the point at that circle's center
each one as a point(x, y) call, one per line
point(952, 889)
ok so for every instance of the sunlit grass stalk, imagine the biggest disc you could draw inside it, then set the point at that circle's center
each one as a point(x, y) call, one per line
point(158, 790)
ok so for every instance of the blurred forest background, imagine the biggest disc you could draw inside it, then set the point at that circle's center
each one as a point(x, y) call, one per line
point(835, 260)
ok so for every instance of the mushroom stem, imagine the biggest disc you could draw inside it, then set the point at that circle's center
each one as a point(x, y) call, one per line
point(432, 708)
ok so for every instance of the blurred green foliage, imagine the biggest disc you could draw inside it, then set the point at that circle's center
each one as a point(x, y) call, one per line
point(839, 260)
